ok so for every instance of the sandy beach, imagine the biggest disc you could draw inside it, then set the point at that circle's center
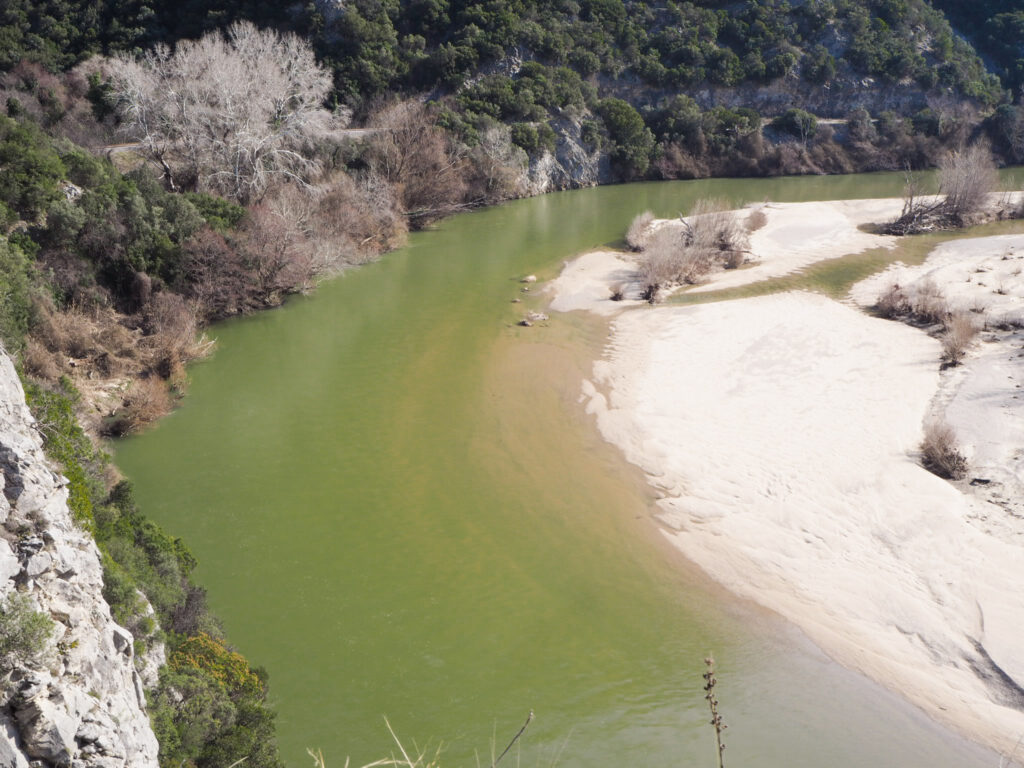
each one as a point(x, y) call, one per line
point(783, 432)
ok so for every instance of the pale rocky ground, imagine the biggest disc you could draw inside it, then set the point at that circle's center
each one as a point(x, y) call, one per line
point(783, 433)
point(83, 704)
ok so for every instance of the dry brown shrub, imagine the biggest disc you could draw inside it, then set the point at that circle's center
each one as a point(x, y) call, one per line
point(892, 303)
point(72, 332)
point(960, 332)
point(928, 303)
point(939, 452)
point(146, 401)
point(216, 275)
point(675, 162)
point(39, 361)
point(967, 179)
point(276, 251)
point(415, 155)
point(713, 225)
point(734, 259)
point(116, 339)
point(756, 220)
point(662, 262)
point(639, 231)
point(171, 324)
point(354, 220)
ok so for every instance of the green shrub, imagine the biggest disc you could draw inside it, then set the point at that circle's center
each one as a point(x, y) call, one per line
point(797, 122)
point(24, 631)
point(67, 444)
point(30, 167)
point(16, 283)
point(632, 141)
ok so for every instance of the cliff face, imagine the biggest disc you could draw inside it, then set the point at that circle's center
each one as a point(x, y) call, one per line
point(81, 704)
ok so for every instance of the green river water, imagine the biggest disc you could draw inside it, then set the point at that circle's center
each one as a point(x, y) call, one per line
point(401, 509)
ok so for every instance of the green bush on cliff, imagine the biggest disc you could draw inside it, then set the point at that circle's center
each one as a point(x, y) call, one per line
point(66, 443)
point(16, 283)
point(209, 708)
point(632, 141)
point(24, 631)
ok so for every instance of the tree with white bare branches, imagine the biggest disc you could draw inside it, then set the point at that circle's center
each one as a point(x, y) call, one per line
point(227, 114)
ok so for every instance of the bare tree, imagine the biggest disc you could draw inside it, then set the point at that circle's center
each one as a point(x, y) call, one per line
point(967, 180)
point(226, 114)
point(500, 166)
point(411, 152)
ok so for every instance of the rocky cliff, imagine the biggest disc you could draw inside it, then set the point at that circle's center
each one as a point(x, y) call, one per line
point(80, 703)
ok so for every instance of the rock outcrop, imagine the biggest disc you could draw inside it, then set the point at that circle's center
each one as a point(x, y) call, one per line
point(81, 703)
point(571, 166)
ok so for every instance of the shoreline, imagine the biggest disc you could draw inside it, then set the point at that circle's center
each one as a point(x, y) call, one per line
point(800, 488)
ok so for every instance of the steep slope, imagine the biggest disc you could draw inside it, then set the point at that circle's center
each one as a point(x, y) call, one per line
point(80, 700)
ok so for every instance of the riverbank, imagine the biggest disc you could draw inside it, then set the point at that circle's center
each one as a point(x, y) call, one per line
point(783, 433)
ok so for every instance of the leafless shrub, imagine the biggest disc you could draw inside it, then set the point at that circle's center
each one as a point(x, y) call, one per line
point(928, 304)
point(939, 452)
point(892, 303)
point(618, 292)
point(498, 167)
point(735, 259)
point(414, 154)
point(216, 276)
point(39, 361)
point(277, 254)
point(967, 179)
point(710, 237)
point(756, 220)
point(70, 332)
point(639, 231)
point(662, 263)
point(354, 220)
point(171, 323)
point(146, 401)
point(715, 234)
point(960, 332)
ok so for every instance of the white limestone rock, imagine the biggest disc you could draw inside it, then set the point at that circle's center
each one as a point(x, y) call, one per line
point(83, 705)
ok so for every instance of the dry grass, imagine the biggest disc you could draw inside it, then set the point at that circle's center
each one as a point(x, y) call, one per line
point(40, 362)
point(939, 452)
point(960, 332)
point(639, 231)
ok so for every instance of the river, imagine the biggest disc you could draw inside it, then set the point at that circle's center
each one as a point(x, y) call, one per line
point(400, 509)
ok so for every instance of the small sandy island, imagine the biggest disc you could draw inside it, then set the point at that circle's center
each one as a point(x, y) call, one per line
point(784, 433)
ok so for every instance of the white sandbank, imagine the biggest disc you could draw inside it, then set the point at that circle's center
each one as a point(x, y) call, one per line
point(797, 235)
point(783, 432)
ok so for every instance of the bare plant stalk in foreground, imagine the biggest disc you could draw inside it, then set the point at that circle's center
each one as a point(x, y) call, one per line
point(419, 759)
point(716, 719)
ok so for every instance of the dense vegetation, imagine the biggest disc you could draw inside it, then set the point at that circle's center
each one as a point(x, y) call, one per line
point(996, 27)
point(530, 64)
point(376, 47)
